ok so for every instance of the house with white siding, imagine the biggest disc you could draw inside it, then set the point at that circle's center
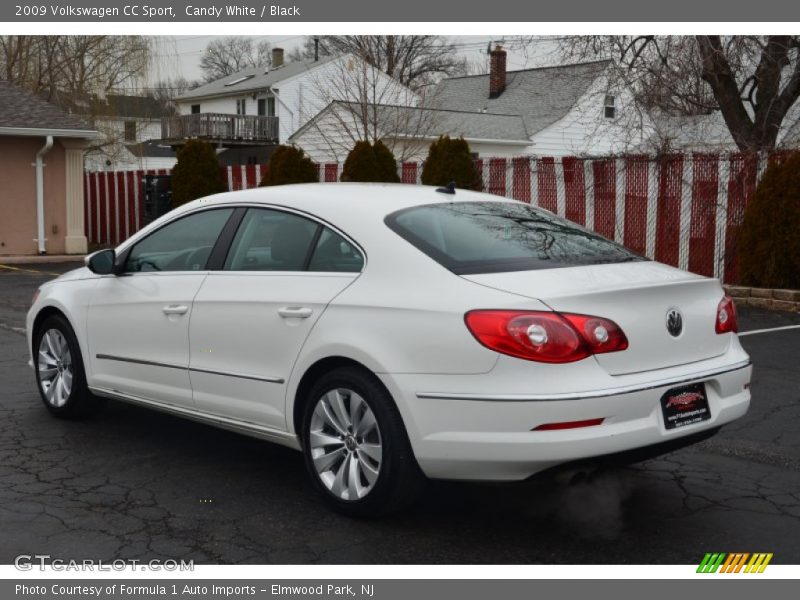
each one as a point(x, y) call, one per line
point(407, 131)
point(709, 133)
point(126, 126)
point(250, 112)
point(568, 110)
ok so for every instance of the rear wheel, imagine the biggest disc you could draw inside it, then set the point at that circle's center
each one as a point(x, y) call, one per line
point(60, 376)
point(355, 445)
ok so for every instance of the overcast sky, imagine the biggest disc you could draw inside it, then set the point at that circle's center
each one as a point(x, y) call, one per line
point(180, 55)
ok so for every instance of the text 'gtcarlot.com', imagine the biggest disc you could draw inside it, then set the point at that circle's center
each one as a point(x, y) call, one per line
point(42, 562)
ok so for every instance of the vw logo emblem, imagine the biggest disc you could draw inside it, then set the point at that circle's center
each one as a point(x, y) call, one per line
point(674, 322)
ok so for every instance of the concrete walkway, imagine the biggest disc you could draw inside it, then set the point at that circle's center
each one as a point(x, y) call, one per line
point(40, 258)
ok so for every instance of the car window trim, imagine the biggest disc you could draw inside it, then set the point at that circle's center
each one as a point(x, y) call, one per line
point(129, 244)
point(123, 260)
point(312, 248)
point(482, 267)
point(219, 254)
point(321, 226)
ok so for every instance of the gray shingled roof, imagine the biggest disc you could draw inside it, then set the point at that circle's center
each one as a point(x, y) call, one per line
point(19, 108)
point(709, 133)
point(257, 79)
point(541, 96)
point(150, 149)
point(392, 119)
point(690, 133)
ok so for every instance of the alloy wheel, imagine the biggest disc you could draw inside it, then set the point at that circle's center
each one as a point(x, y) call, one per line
point(55, 367)
point(345, 444)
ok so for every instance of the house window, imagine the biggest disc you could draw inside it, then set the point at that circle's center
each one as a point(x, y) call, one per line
point(266, 106)
point(130, 131)
point(195, 109)
point(241, 106)
point(609, 107)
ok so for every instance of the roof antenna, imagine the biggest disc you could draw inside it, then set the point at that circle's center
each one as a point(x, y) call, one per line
point(450, 188)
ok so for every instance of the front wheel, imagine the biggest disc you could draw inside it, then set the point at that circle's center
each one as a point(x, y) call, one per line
point(355, 445)
point(59, 371)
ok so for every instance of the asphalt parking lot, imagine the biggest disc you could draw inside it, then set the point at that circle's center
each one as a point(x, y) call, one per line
point(136, 484)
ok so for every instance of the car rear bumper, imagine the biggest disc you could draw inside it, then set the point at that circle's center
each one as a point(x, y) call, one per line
point(483, 436)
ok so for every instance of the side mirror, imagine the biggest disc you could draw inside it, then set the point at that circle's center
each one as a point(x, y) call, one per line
point(101, 262)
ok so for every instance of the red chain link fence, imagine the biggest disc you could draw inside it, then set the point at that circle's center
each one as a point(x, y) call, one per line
point(680, 209)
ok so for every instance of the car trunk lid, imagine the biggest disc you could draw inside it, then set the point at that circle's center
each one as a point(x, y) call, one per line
point(637, 296)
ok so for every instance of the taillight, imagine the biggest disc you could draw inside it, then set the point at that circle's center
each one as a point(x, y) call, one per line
point(726, 316)
point(543, 336)
point(602, 335)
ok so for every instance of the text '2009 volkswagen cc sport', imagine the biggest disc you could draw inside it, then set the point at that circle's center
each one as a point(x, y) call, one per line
point(394, 332)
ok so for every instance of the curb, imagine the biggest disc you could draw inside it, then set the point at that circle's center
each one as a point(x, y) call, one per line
point(40, 259)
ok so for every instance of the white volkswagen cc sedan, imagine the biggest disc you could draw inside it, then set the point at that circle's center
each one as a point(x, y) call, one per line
point(393, 332)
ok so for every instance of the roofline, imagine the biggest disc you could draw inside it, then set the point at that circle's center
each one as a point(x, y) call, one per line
point(449, 110)
point(40, 132)
point(316, 118)
point(223, 94)
point(314, 65)
point(498, 141)
point(579, 64)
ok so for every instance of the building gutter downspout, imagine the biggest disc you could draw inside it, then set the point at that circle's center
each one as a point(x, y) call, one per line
point(274, 92)
point(40, 193)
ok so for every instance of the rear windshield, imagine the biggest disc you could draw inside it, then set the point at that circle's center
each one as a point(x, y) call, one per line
point(492, 237)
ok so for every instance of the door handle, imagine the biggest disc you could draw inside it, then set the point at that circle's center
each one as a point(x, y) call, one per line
point(175, 309)
point(295, 312)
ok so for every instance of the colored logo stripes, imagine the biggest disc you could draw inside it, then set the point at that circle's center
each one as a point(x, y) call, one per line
point(736, 562)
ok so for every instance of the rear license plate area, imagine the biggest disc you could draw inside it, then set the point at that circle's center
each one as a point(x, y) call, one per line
point(686, 405)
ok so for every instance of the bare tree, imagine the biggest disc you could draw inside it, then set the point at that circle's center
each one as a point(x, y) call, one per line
point(229, 55)
point(166, 90)
point(752, 80)
point(73, 65)
point(363, 104)
point(416, 61)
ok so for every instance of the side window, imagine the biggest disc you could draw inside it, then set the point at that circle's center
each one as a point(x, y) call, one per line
point(271, 240)
point(183, 245)
point(334, 253)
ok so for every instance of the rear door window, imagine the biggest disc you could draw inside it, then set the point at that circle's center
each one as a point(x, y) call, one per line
point(271, 240)
point(334, 253)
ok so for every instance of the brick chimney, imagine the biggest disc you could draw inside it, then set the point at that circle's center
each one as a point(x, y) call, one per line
point(277, 57)
point(497, 71)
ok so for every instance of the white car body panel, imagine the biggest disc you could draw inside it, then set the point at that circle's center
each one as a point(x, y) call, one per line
point(242, 349)
point(468, 410)
point(636, 296)
point(126, 323)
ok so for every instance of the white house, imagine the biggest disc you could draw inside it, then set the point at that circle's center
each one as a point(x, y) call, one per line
point(710, 134)
point(127, 126)
point(407, 131)
point(255, 109)
point(568, 110)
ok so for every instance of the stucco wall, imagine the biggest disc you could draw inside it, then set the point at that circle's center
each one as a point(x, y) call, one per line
point(18, 196)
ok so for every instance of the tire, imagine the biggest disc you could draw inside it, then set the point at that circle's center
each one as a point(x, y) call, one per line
point(60, 376)
point(359, 469)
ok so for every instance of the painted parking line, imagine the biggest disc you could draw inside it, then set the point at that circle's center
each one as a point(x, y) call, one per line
point(771, 329)
point(20, 330)
point(36, 271)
